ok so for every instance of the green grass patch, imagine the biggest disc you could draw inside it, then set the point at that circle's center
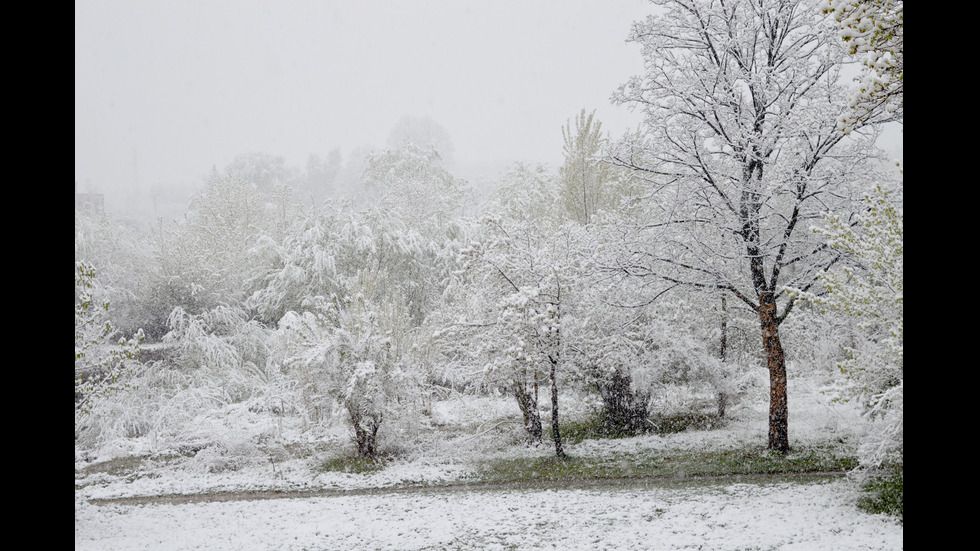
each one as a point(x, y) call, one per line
point(353, 464)
point(885, 494)
point(594, 426)
point(810, 459)
point(575, 431)
point(679, 422)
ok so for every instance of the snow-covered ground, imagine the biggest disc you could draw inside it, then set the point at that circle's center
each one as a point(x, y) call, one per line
point(818, 516)
point(777, 514)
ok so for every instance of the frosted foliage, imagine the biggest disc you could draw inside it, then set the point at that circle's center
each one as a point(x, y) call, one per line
point(872, 292)
point(223, 342)
point(873, 31)
point(414, 184)
point(355, 353)
point(521, 277)
point(210, 360)
point(324, 258)
point(103, 360)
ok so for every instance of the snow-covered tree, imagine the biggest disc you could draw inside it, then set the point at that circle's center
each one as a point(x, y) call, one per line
point(524, 275)
point(423, 132)
point(208, 259)
point(355, 353)
point(122, 256)
point(264, 170)
point(742, 148)
point(526, 192)
point(588, 183)
point(324, 256)
point(413, 182)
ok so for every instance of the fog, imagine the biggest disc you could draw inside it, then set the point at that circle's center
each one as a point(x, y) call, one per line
point(167, 90)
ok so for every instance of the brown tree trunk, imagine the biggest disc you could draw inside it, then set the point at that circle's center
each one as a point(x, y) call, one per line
point(778, 409)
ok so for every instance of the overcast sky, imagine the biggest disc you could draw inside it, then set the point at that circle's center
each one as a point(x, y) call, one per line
point(166, 89)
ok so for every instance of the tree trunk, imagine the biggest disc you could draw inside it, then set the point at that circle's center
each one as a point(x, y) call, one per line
point(778, 412)
point(722, 397)
point(528, 402)
point(555, 432)
point(365, 430)
point(778, 409)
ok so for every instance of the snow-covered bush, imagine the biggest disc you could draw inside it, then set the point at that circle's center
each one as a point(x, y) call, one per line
point(206, 361)
point(229, 451)
point(221, 347)
point(211, 257)
point(356, 354)
point(322, 258)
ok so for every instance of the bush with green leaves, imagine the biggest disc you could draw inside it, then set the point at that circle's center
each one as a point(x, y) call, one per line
point(102, 364)
point(871, 291)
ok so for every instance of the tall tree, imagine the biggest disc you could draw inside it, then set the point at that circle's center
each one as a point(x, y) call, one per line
point(742, 146)
point(524, 274)
point(586, 182)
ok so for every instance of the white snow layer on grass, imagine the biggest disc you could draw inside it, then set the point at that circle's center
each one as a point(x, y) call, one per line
point(717, 515)
point(818, 516)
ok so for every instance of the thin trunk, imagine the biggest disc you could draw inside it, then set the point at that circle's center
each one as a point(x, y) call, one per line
point(722, 397)
point(555, 432)
point(555, 359)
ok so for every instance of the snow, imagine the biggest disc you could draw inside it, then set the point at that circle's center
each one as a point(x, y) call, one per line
point(718, 514)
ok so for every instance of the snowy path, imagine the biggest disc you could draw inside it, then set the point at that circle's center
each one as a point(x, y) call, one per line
point(718, 515)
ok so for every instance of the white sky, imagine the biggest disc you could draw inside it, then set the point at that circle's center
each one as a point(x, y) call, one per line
point(174, 87)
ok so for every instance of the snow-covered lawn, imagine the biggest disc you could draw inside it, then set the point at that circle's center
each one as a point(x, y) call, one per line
point(690, 514)
point(818, 516)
